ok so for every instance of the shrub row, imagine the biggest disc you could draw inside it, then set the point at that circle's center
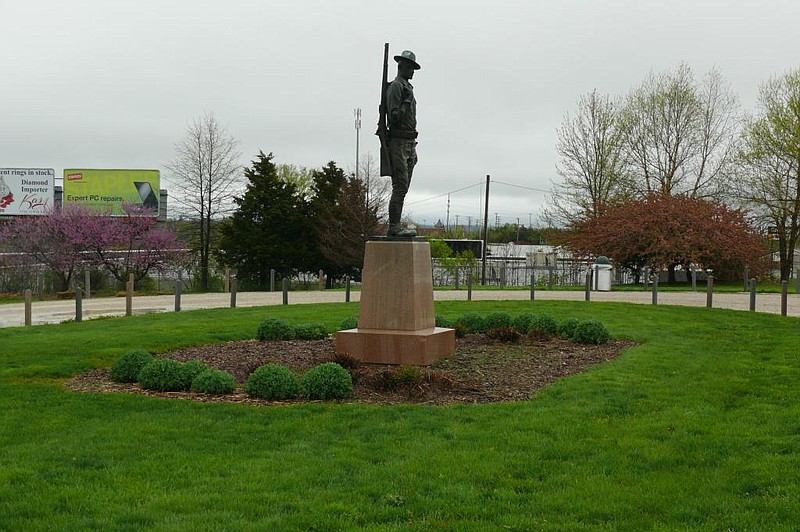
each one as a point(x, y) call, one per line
point(502, 326)
point(167, 375)
point(277, 383)
point(277, 329)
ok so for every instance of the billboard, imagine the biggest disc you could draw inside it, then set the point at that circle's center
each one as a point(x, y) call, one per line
point(26, 191)
point(109, 190)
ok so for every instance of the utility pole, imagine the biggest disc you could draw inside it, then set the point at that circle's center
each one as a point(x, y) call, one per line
point(357, 115)
point(447, 225)
point(485, 232)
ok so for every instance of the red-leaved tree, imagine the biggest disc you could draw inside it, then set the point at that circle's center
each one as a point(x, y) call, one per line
point(665, 231)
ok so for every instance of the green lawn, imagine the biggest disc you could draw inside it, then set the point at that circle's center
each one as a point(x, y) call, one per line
point(698, 428)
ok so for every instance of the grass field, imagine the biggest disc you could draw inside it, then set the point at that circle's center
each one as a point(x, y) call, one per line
point(697, 428)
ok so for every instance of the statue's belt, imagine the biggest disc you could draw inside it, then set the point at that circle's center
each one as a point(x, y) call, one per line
point(403, 134)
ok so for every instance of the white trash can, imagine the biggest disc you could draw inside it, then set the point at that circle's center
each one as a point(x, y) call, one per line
point(602, 274)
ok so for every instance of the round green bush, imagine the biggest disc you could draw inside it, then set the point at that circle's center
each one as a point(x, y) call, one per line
point(591, 332)
point(497, 320)
point(310, 331)
point(522, 323)
point(274, 329)
point(567, 328)
point(447, 323)
point(544, 324)
point(192, 369)
point(326, 381)
point(349, 323)
point(472, 322)
point(164, 375)
point(215, 382)
point(272, 382)
point(129, 364)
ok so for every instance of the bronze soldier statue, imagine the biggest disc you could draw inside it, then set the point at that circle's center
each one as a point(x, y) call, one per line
point(401, 137)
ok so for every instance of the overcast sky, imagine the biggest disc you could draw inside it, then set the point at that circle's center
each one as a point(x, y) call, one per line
point(113, 84)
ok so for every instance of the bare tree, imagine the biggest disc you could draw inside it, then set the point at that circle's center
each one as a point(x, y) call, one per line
point(679, 134)
point(591, 165)
point(769, 173)
point(204, 177)
point(378, 189)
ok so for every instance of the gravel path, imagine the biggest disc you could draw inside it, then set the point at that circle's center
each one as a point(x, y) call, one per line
point(13, 315)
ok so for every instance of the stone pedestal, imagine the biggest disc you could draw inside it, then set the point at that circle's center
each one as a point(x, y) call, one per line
point(396, 321)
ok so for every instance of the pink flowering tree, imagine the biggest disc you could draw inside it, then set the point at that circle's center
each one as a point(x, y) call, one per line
point(65, 239)
point(130, 244)
point(44, 240)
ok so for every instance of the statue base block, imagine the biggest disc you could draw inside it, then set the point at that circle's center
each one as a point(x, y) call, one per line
point(396, 319)
point(380, 346)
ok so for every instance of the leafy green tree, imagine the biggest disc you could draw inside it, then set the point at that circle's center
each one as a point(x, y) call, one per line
point(272, 228)
point(769, 173)
point(591, 161)
point(678, 133)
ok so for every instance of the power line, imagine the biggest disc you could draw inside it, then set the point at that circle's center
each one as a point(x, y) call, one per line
point(443, 195)
point(521, 186)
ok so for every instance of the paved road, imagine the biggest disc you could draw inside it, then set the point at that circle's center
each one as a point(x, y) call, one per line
point(12, 315)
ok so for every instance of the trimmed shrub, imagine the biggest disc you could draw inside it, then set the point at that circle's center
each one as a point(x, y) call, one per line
point(567, 328)
point(326, 381)
point(447, 323)
point(591, 332)
point(192, 369)
point(274, 329)
point(544, 325)
point(272, 382)
point(164, 375)
point(310, 331)
point(129, 364)
point(349, 323)
point(504, 334)
point(461, 330)
point(215, 382)
point(346, 361)
point(497, 320)
point(523, 322)
point(402, 377)
point(472, 322)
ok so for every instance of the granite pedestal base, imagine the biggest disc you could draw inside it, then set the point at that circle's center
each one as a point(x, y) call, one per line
point(396, 321)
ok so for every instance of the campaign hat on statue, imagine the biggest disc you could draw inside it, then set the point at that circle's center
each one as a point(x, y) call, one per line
point(408, 55)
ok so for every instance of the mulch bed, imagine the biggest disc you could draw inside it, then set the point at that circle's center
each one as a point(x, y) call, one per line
point(481, 370)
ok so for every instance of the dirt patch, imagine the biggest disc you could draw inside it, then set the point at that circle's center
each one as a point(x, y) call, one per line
point(480, 371)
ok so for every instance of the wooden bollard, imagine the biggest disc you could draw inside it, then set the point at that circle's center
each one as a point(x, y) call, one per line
point(784, 297)
point(709, 291)
point(587, 295)
point(655, 290)
point(78, 305)
point(178, 284)
point(129, 296)
point(28, 308)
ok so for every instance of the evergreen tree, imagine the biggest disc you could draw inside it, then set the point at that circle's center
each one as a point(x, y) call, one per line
point(272, 228)
point(343, 220)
